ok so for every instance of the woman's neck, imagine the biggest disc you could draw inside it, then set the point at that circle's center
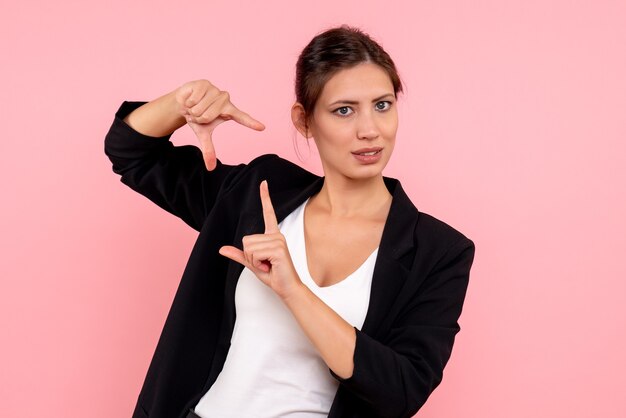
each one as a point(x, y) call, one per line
point(348, 198)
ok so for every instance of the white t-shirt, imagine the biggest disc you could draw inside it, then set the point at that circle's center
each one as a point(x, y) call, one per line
point(272, 369)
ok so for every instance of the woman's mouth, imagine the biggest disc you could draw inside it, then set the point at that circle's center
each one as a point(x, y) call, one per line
point(368, 156)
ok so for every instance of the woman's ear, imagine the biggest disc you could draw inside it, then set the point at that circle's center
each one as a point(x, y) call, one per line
point(299, 120)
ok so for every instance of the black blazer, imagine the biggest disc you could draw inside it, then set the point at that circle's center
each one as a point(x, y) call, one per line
point(418, 286)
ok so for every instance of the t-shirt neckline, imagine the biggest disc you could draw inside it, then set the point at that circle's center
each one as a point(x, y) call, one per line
point(302, 246)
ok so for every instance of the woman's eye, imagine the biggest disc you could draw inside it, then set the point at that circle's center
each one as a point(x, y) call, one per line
point(383, 108)
point(341, 110)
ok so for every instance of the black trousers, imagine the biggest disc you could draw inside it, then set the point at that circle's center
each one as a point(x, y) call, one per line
point(192, 414)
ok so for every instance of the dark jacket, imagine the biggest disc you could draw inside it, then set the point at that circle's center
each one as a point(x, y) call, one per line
point(418, 286)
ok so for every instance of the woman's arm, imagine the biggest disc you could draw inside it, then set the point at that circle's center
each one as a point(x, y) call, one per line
point(177, 178)
point(394, 377)
point(397, 375)
point(199, 103)
point(157, 118)
point(333, 337)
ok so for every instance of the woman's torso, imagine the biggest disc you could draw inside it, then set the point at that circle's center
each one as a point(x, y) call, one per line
point(272, 369)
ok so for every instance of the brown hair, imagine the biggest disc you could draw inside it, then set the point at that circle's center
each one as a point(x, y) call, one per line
point(331, 51)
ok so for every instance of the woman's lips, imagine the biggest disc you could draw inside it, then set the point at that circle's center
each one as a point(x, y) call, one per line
point(368, 155)
point(367, 150)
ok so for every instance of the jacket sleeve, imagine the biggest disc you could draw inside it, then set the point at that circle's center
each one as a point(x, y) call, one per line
point(173, 177)
point(395, 377)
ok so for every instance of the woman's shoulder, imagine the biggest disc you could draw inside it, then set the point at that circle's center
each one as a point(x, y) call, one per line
point(273, 164)
point(436, 233)
point(277, 170)
point(274, 160)
point(428, 230)
point(431, 225)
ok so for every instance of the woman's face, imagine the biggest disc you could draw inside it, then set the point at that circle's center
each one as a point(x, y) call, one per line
point(356, 114)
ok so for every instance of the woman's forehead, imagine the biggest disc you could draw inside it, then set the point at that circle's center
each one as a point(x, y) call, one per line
point(362, 83)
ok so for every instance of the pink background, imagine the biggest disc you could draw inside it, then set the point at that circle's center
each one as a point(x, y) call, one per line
point(512, 130)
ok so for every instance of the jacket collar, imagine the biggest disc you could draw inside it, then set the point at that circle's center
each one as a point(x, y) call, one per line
point(390, 272)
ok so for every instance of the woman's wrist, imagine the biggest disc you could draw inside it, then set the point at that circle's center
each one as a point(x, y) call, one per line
point(157, 118)
point(296, 296)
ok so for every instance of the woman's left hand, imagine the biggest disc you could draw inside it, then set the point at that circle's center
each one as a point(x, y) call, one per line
point(267, 255)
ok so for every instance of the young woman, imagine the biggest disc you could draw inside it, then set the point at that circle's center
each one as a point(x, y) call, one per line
point(304, 296)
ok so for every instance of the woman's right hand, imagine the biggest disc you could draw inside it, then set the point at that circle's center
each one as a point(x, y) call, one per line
point(205, 106)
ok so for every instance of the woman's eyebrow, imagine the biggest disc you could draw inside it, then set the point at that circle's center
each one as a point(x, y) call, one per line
point(356, 102)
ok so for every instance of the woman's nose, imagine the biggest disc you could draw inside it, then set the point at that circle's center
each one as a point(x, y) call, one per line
point(366, 126)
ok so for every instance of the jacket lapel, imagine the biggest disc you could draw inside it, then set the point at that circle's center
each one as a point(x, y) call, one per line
point(389, 272)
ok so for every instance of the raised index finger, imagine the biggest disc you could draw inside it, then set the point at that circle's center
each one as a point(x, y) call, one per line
point(269, 217)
